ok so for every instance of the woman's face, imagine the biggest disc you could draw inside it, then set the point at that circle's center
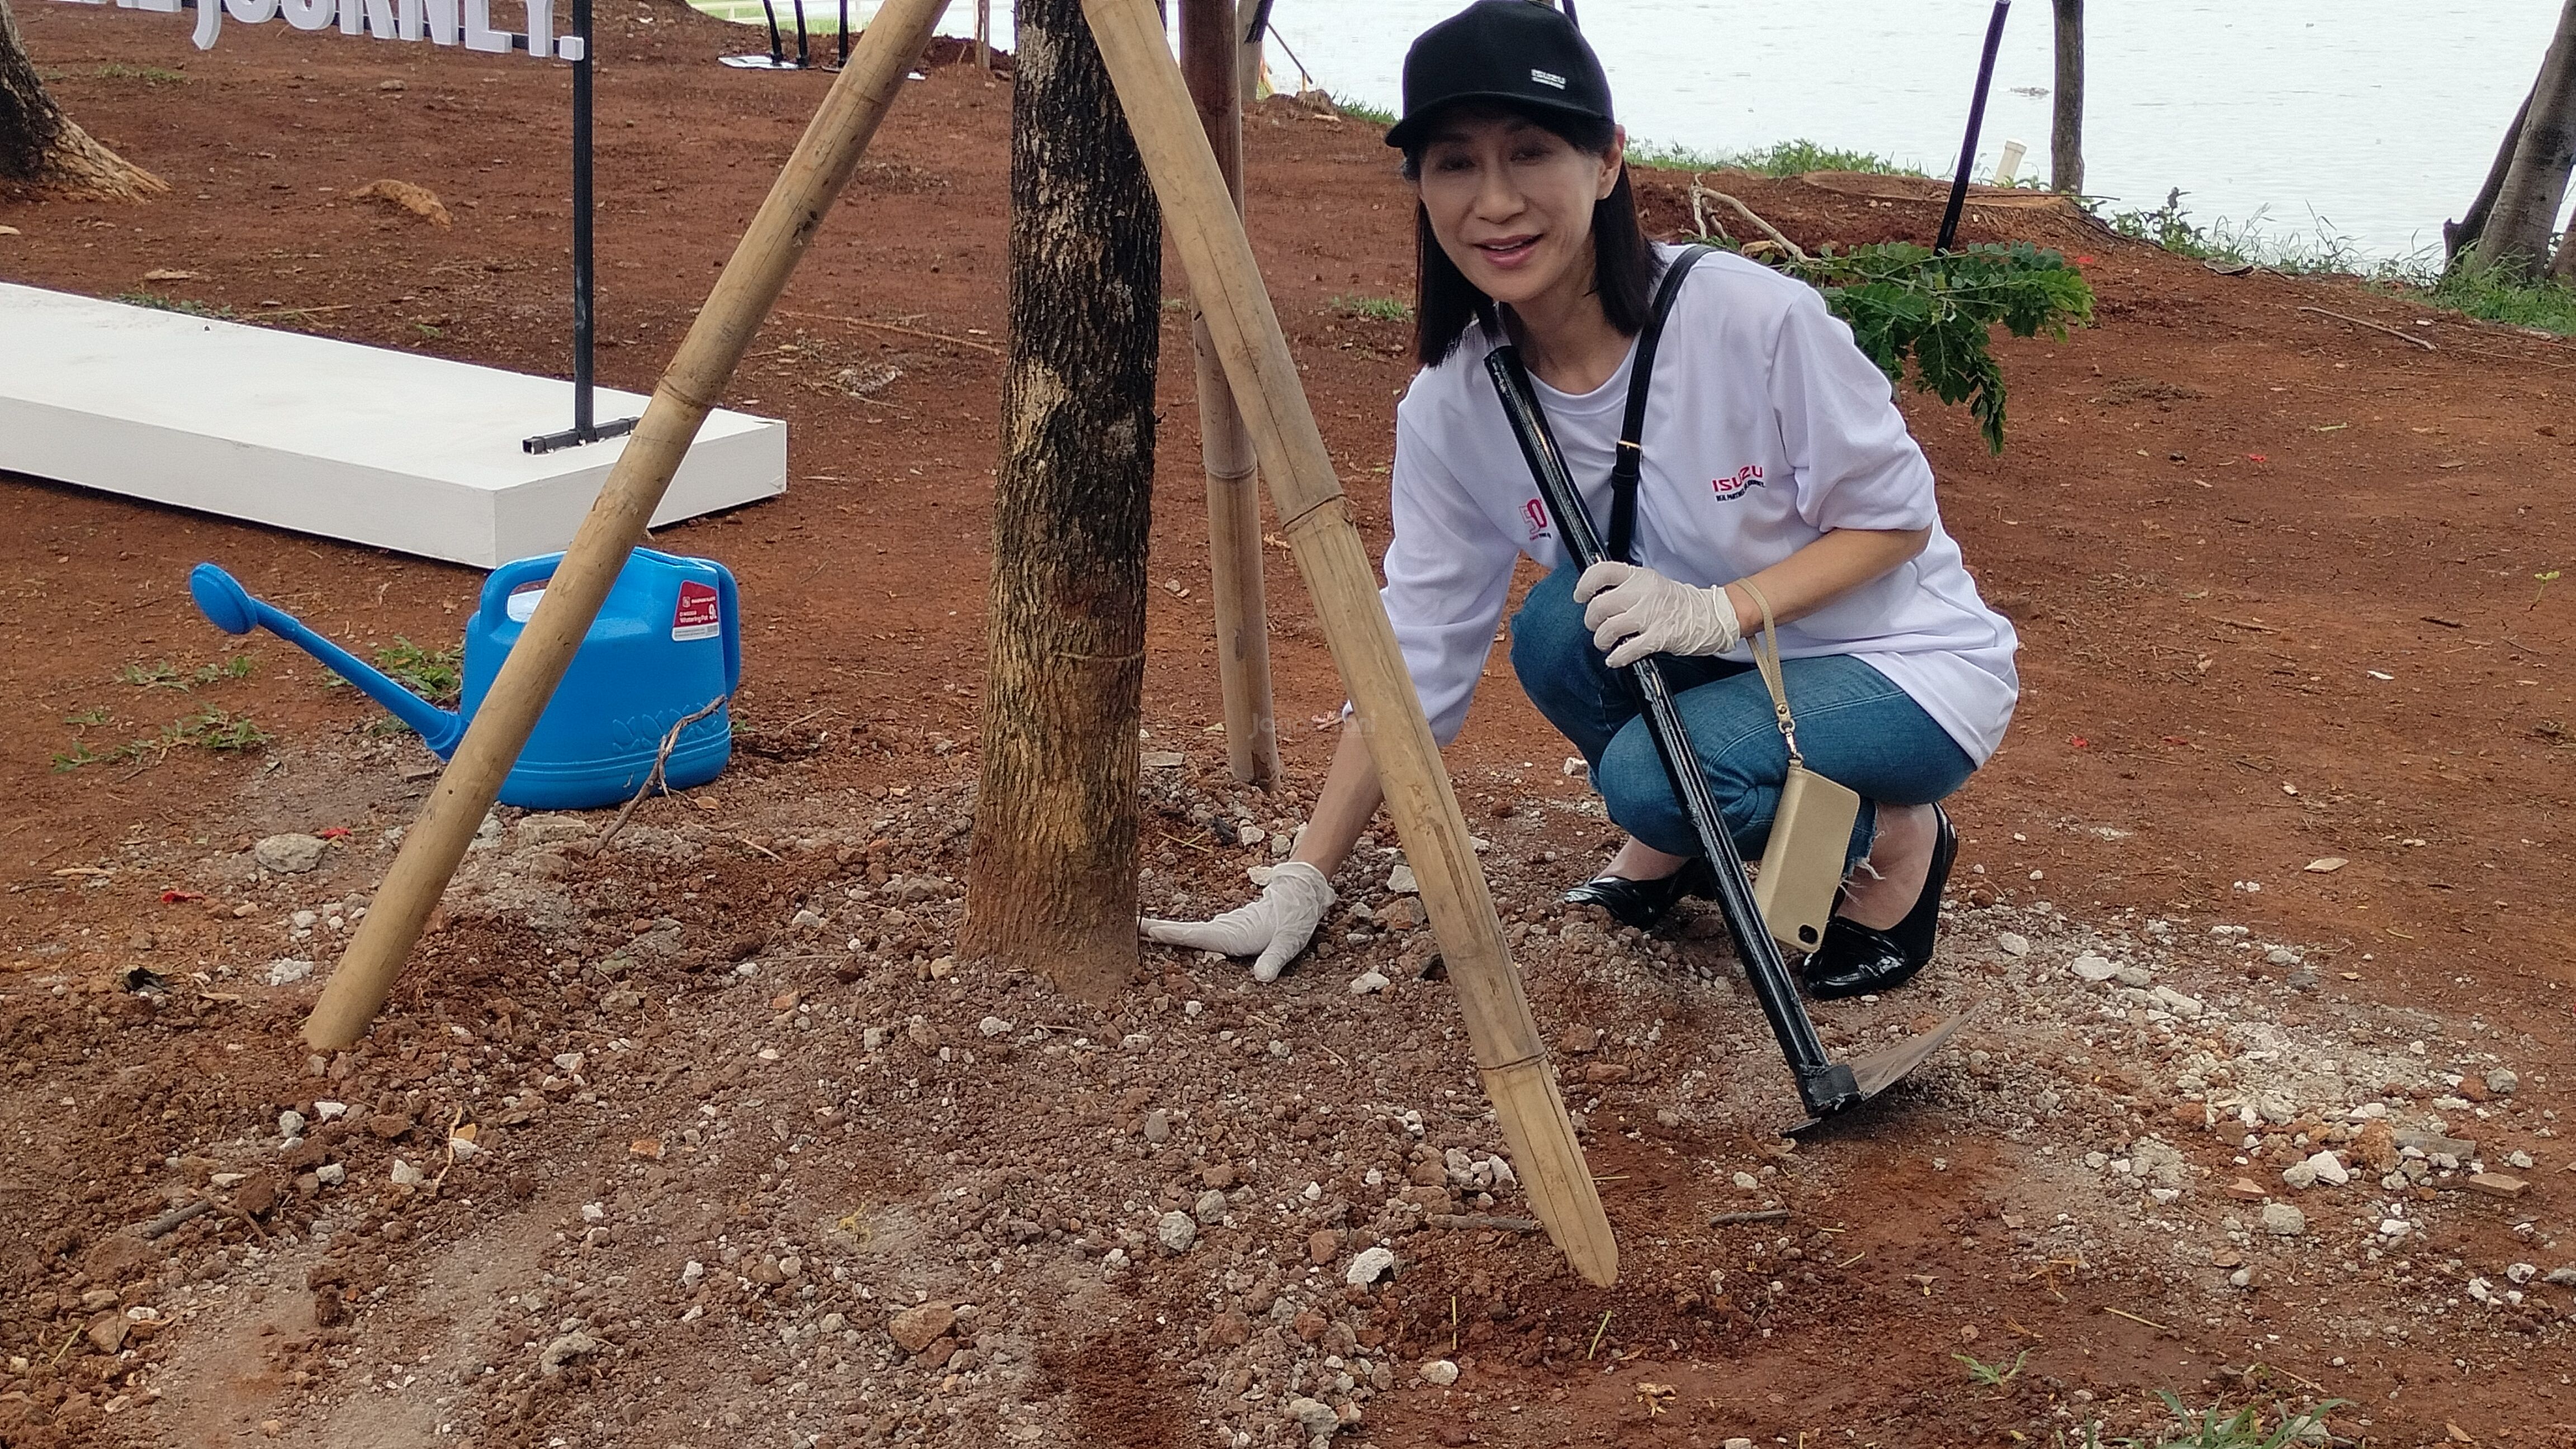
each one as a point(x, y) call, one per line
point(1511, 203)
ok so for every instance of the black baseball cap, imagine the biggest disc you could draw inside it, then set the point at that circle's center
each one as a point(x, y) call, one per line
point(1517, 52)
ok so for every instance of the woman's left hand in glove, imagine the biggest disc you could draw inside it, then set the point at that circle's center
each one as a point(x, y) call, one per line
point(1633, 612)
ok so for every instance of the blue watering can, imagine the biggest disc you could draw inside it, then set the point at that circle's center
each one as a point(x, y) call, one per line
point(667, 643)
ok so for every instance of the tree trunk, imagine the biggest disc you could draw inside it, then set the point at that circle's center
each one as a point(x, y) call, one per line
point(2459, 236)
point(2066, 118)
point(1051, 878)
point(42, 150)
point(2562, 268)
point(2516, 239)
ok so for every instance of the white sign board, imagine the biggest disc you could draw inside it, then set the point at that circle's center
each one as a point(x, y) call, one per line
point(440, 22)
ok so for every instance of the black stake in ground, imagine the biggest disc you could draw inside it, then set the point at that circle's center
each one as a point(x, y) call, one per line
point(1976, 123)
point(1825, 1086)
point(584, 327)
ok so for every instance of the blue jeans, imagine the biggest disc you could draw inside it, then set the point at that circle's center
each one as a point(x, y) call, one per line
point(1854, 726)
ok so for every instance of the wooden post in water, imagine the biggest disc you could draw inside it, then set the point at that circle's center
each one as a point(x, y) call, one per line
point(1210, 50)
point(1200, 221)
point(2066, 118)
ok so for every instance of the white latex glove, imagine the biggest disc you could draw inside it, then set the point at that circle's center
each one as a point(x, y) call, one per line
point(1273, 928)
point(1633, 612)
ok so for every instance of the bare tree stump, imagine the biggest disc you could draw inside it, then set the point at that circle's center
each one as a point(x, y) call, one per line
point(1051, 877)
point(43, 151)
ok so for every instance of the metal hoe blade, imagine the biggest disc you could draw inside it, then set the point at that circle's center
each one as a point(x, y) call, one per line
point(1825, 1086)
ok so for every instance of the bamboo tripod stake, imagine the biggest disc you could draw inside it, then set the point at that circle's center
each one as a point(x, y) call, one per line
point(768, 252)
point(1199, 218)
point(1209, 52)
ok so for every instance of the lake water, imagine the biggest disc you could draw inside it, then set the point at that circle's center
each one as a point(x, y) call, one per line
point(2379, 117)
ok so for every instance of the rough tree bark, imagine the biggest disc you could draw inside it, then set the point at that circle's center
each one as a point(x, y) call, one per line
point(2516, 239)
point(2066, 115)
point(2459, 236)
point(43, 151)
point(1051, 876)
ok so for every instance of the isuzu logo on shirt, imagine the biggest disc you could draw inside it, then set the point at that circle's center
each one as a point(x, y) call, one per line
point(1731, 488)
point(1536, 513)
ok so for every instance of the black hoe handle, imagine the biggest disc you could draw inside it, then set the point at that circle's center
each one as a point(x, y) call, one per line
point(1825, 1086)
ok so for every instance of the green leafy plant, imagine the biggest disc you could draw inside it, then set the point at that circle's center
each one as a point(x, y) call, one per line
point(221, 731)
point(437, 675)
point(1375, 309)
point(96, 714)
point(2216, 1428)
point(162, 674)
point(1929, 314)
point(1993, 1375)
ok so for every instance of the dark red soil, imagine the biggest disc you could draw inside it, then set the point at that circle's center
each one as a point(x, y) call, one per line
point(2278, 579)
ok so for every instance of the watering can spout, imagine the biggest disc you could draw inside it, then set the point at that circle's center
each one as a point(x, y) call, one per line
point(231, 608)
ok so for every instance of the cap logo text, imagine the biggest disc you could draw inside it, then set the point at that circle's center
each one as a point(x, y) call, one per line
point(1546, 79)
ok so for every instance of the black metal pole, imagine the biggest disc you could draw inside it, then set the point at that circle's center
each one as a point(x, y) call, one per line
point(1824, 1085)
point(1976, 122)
point(583, 421)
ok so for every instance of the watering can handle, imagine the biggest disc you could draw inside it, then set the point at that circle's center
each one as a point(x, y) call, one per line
point(505, 580)
point(725, 600)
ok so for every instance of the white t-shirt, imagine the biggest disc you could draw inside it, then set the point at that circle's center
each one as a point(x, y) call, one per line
point(1766, 427)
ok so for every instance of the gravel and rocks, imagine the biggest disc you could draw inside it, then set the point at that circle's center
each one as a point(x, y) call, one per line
point(290, 854)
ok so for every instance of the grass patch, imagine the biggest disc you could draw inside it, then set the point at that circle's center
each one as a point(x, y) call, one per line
point(1378, 116)
point(1375, 309)
point(1781, 158)
point(148, 74)
point(436, 675)
point(2257, 241)
point(2217, 1428)
point(2470, 289)
point(1996, 1376)
point(2483, 293)
point(159, 303)
point(162, 674)
point(217, 730)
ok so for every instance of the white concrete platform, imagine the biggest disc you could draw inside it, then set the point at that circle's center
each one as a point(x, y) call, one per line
point(412, 453)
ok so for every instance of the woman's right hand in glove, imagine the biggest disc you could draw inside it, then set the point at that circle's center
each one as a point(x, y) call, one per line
point(1272, 929)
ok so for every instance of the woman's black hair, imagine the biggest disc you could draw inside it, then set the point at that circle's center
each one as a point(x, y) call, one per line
point(1624, 264)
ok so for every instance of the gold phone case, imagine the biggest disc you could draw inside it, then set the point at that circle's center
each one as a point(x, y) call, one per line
point(1802, 865)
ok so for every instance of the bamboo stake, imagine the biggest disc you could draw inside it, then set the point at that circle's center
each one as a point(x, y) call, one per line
point(734, 311)
point(1200, 220)
point(1209, 51)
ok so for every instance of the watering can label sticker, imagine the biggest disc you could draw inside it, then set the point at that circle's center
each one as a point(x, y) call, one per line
point(698, 616)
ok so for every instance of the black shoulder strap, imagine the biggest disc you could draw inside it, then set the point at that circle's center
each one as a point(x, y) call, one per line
point(1632, 453)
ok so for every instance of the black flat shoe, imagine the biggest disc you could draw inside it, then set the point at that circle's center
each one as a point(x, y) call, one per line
point(1855, 960)
point(1642, 903)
